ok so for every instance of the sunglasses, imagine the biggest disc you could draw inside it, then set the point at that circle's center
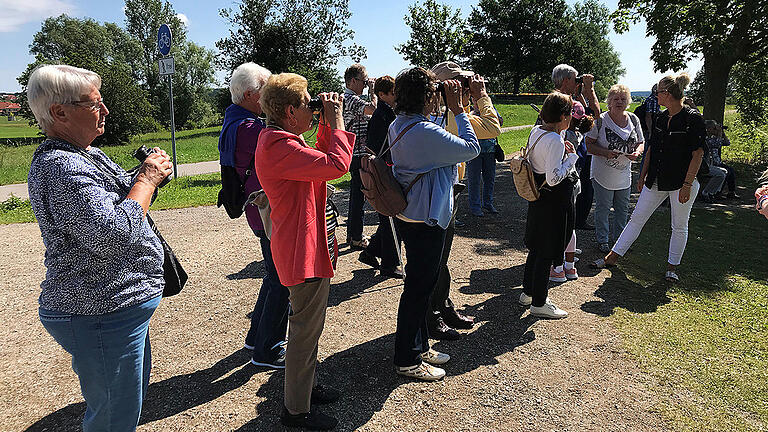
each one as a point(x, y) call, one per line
point(91, 105)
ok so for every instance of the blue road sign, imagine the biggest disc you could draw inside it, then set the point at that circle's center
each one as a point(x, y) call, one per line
point(164, 39)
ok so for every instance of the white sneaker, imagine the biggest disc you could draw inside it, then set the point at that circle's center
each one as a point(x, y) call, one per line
point(549, 311)
point(423, 371)
point(525, 299)
point(434, 357)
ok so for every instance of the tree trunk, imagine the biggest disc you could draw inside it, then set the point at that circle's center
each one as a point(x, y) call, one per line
point(716, 71)
point(516, 90)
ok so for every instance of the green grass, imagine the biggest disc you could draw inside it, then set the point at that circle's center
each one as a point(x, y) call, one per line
point(15, 210)
point(17, 129)
point(706, 338)
point(517, 114)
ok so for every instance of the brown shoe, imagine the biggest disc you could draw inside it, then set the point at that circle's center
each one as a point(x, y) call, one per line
point(439, 330)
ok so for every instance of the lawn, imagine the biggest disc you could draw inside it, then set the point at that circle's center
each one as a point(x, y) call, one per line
point(705, 339)
point(16, 129)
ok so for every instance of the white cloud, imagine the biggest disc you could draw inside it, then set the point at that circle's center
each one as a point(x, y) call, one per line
point(17, 13)
point(183, 18)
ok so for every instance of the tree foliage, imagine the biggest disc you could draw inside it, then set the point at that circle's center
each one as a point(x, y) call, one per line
point(305, 37)
point(105, 49)
point(723, 32)
point(518, 42)
point(194, 63)
point(438, 33)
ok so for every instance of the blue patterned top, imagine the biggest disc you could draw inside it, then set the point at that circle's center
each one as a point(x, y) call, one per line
point(101, 254)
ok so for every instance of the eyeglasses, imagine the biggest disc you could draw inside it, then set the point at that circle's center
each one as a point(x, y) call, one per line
point(90, 104)
point(662, 91)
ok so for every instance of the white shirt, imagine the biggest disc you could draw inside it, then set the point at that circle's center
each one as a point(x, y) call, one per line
point(614, 174)
point(548, 156)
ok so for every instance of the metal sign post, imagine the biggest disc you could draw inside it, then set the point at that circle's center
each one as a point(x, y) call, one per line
point(167, 67)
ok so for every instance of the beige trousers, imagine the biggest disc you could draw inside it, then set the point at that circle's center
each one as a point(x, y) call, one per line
point(309, 301)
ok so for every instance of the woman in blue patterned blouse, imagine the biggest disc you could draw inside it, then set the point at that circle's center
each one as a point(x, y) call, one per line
point(104, 275)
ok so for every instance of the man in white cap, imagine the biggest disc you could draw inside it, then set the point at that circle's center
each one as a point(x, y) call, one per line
point(444, 318)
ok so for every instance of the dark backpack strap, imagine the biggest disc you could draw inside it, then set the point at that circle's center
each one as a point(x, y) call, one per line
point(408, 189)
point(400, 135)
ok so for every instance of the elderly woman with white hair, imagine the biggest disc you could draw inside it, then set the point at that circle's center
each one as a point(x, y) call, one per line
point(104, 276)
point(615, 141)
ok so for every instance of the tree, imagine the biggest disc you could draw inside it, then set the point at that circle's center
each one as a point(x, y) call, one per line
point(105, 49)
point(437, 34)
point(723, 32)
point(587, 47)
point(305, 37)
point(513, 39)
point(517, 43)
point(194, 64)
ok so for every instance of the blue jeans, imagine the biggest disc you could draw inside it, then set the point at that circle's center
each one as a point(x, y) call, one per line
point(604, 200)
point(112, 358)
point(481, 175)
point(269, 320)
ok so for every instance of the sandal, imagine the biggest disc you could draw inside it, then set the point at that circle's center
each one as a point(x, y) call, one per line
point(671, 276)
point(600, 264)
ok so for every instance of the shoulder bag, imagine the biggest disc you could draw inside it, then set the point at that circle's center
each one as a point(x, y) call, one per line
point(522, 172)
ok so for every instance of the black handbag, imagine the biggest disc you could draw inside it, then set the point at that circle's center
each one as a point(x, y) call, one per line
point(499, 153)
point(173, 273)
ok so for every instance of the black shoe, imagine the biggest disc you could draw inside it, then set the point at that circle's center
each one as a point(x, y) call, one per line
point(456, 320)
point(322, 395)
point(391, 272)
point(368, 259)
point(312, 420)
point(440, 330)
point(458, 224)
point(586, 227)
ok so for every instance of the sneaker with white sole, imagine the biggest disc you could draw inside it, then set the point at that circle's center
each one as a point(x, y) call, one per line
point(525, 299)
point(549, 311)
point(434, 357)
point(423, 371)
point(555, 276)
point(571, 274)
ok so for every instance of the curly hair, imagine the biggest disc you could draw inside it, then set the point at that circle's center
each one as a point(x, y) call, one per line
point(280, 91)
point(413, 89)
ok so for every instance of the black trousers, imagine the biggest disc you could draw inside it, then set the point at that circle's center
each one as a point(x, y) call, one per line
point(440, 299)
point(423, 249)
point(584, 200)
point(356, 202)
point(730, 178)
point(536, 277)
point(382, 244)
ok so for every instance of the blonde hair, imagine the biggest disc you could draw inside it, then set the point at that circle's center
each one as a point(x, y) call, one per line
point(615, 90)
point(675, 84)
point(57, 84)
point(280, 91)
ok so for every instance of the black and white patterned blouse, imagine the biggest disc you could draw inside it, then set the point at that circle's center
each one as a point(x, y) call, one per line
point(101, 254)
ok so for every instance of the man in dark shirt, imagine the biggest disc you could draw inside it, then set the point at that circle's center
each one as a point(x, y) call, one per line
point(382, 244)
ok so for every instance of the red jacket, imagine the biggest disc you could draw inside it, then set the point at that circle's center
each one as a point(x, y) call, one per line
point(294, 177)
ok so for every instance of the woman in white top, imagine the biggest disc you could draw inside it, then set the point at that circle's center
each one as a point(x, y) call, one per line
point(616, 141)
point(550, 218)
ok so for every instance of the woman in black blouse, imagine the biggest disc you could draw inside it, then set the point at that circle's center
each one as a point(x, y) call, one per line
point(677, 146)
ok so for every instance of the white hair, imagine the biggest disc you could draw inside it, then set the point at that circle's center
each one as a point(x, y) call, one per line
point(247, 76)
point(57, 84)
point(561, 72)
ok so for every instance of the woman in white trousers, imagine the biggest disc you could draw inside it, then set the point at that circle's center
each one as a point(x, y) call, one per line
point(677, 146)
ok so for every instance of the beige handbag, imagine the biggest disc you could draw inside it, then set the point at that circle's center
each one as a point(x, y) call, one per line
point(522, 172)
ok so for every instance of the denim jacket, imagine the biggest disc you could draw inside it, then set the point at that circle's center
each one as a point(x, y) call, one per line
point(428, 148)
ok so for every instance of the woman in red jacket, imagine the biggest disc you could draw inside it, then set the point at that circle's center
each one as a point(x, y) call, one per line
point(294, 177)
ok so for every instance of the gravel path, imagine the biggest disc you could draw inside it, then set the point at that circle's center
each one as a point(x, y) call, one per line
point(512, 372)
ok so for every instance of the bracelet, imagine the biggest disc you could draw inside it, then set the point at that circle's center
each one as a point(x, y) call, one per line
point(761, 201)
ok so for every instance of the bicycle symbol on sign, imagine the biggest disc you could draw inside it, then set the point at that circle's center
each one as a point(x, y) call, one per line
point(165, 41)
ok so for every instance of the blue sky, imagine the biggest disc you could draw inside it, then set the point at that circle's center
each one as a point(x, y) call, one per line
point(378, 26)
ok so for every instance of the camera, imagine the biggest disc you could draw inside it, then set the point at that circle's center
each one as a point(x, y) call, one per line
point(141, 154)
point(316, 105)
point(580, 79)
